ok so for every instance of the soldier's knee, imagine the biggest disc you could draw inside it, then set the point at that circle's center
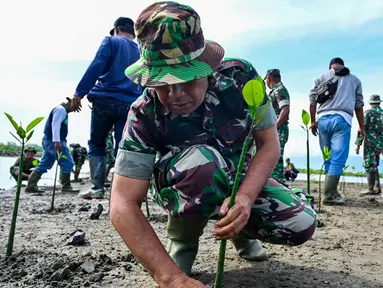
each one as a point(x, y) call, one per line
point(201, 162)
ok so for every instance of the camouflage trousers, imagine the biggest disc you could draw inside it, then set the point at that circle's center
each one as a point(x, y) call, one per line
point(371, 158)
point(193, 184)
point(278, 172)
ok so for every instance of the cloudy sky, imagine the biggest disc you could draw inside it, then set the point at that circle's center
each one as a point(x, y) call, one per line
point(47, 46)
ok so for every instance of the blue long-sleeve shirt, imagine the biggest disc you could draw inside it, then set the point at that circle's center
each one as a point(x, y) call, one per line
point(105, 77)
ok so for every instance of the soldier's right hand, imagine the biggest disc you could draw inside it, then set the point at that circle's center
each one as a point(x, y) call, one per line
point(184, 281)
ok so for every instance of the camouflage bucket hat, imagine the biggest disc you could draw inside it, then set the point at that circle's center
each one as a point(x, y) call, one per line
point(375, 99)
point(172, 46)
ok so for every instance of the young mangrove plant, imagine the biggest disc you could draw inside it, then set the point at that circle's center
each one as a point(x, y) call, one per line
point(306, 120)
point(326, 153)
point(343, 186)
point(23, 137)
point(253, 93)
point(59, 156)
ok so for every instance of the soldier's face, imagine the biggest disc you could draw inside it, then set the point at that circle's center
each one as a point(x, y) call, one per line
point(183, 98)
point(29, 154)
point(268, 82)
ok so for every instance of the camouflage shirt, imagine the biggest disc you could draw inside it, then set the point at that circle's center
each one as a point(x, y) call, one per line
point(373, 128)
point(79, 155)
point(221, 121)
point(280, 97)
point(28, 164)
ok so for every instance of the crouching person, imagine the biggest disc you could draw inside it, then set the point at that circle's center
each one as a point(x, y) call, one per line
point(54, 142)
point(29, 163)
point(194, 115)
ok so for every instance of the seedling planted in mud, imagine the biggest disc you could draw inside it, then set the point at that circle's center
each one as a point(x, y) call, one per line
point(343, 186)
point(306, 120)
point(59, 156)
point(254, 94)
point(326, 153)
point(23, 138)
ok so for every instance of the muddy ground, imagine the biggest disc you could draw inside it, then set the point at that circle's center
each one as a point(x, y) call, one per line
point(347, 251)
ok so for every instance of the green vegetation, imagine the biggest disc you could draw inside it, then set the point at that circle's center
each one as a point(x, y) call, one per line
point(348, 173)
point(13, 146)
point(253, 93)
point(23, 136)
point(306, 120)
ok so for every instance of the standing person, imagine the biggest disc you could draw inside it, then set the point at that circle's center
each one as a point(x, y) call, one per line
point(54, 141)
point(111, 94)
point(338, 93)
point(194, 116)
point(79, 156)
point(281, 103)
point(30, 162)
point(372, 144)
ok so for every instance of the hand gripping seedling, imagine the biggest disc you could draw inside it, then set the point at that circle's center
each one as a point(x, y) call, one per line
point(254, 94)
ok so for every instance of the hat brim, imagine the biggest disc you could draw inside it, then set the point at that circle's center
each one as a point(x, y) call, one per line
point(111, 32)
point(202, 66)
point(375, 102)
point(29, 150)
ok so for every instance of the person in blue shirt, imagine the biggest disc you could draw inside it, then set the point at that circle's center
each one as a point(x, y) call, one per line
point(54, 142)
point(111, 94)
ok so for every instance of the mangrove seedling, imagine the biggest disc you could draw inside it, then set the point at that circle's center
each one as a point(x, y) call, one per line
point(326, 153)
point(59, 156)
point(254, 94)
point(306, 120)
point(343, 186)
point(23, 136)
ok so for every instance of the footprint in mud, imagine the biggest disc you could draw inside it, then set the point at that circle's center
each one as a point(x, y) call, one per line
point(158, 218)
point(61, 208)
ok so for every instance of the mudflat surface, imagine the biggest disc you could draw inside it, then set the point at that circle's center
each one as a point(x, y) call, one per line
point(346, 251)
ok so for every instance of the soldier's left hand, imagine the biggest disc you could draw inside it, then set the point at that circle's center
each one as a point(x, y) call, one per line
point(234, 219)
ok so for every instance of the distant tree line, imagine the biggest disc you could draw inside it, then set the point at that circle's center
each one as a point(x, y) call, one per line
point(14, 146)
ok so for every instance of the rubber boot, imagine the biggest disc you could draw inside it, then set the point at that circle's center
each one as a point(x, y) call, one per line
point(32, 183)
point(107, 182)
point(97, 167)
point(370, 182)
point(377, 189)
point(249, 249)
point(331, 194)
point(183, 237)
point(65, 182)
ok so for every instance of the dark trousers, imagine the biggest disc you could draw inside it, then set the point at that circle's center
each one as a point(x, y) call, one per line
point(105, 114)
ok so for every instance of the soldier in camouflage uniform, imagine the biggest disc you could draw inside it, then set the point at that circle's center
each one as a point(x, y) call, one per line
point(110, 159)
point(373, 144)
point(30, 162)
point(79, 156)
point(193, 114)
point(281, 104)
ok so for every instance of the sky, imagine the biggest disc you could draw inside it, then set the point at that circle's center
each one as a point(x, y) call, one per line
point(48, 45)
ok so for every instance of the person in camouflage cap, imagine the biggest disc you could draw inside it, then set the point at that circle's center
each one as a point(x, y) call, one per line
point(30, 162)
point(373, 144)
point(281, 103)
point(79, 154)
point(192, 117)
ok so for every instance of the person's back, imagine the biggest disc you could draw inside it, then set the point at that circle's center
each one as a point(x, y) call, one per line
point(333, 119)
point(113, 83)
point(348, 93)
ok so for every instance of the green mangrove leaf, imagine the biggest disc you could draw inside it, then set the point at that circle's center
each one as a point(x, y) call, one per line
point(10, 118)
point(305, 117)
point(34, 123)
